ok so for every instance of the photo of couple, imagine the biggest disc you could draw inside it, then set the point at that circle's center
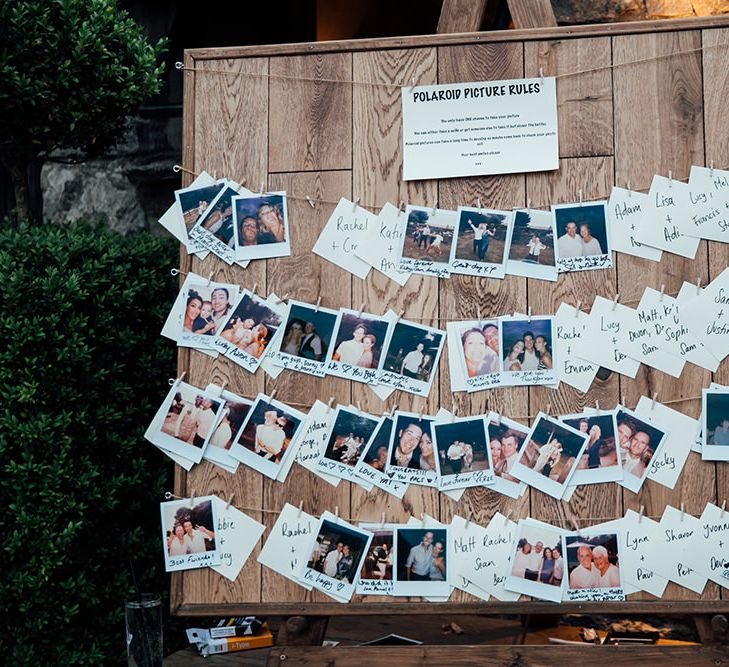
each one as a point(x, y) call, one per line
point(359, 340)
point(260, 226)
point(190, 529)
point(413, 351)
point(218, 218)
point(428, 234)
point(461, 446)
point(505, 441)
point(194, 202)
point(581, 229)
point(378, 561)
point(234, 414)
point(338, 551)
point(527, 344)
point(251, 326)
point(592, 561)
point(190, 416)
point(206, 310)
point(412, 443)
point(480, 346)
point(601, 451)
point(422, 555)
point(348, 436)
point(308, 332)
point(638, 441)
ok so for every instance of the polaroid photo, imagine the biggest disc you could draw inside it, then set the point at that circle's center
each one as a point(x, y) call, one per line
point(600, 461)
point(532, 252)
point(172, 219)
point(481, 243)
point(527, 350)
point(639, 441)
point(185, 421)
point(252, 328)
point(188, 533)
point(462, 453)
point(593, 567)
point(214, 230)
point(479, 353)
point(421, 561)
point(359, 339)
point(427, 237)
point(307, 335)
point(263, 440)
point(336, 555)
point(372, 464)
point(550, 455)
point(172, 327)
point(375, 578)
point(350, 431)
point(410, 454)
point(207, 307)
point(506, 438)
point(411, 352)
point(193, 202)
point(234, 412)
point(261, 226)
point(715, 424)
point(583, 241)
point(537, 565)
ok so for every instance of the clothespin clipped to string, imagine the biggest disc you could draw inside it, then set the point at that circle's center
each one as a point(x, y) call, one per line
point(597, 408)
point(698, 285)
point(640, 514)
point(263, 185)
point(355, 204)
point(230, 500)
point(301, 508)
point(432, 213)
point(663, 290)
point(399, 316)
point(548, 409)
point(541, 74)
point(478, 315)
point(507, 517)
point(529, 205)
point(478, 204)
point(577, 308)
point(361, 308)
point(273, 394)
point(175, 383)
point(723, 509)
point(329, 404)
point(222, 387)
point(382, 521)
point(420, 415)
point(653, 403)
point(670, 178)
point(336, 512)
point(255, 287)
point(359, 410)
point(210, 278)
point(422, 519)
point(283, 298)
point(192, 498)
point(580, 196)
point(392, 410)
point(468, 521)
point(630, 191)
point(576, 525)
point(412, 84)
point(310, 200)
point(615, 301)
point(318, 303)
point(682, 512)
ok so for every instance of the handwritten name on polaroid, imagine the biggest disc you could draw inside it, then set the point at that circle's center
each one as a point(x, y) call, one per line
point(198, 560)
point(384, 480)
point(546, 376)
point(374, 587)
point(324, 582)
point(226, 253)
point(588, 263)
point(486, 381)
point(425, 267)
point(356, 373)
point(413, 476)
point(299, 364)
point(595, 594)
point(397, 381)
point(459, 480)
point(474, 268)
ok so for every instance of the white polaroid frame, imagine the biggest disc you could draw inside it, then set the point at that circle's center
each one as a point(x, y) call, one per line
point(596, 475)
point(203, 341)
point(477, 267)
point(477, 382)
point(584, 262)
point(465, 479)
point(409, 475)
point(294, 362)
point(377, 586)
point(429, 589)
point(505, 486)
point(403, 382)
point(335, 588)
point(247, 361)
point(426, 267)
point(380, 478)
point(194, 560)
point(215, 454)
point(194, 246)
point(336, 468)
point(208, 240)
point(711, 452)
point(167, 442)
point(607, 594)
point(536, 479)
point(279, 249)
point(350, 371)
point(547, 376)
point(518, 267)
point(253, 460)
point(526, 586)
point(633, 482)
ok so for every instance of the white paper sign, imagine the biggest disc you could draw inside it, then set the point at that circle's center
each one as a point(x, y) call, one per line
point(315, 430)
point(692, 348)
point(707, 316)
point(710, 197)
point(711, 545)
point(569, 326)
point(380, 244)
point(625, 209)
point(472, 129)
point(236, 535)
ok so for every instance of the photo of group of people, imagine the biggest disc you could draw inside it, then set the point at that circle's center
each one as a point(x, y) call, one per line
point(421, 561)
point(187, 529)
point(260, 226)
point(638, 442)
point(715, 424)
point(593, 563)
point(462, 449)
point(482, 238)
point(428, 234)
point(582, 233)
point(537, 563)
point(207, 308)
point(526, 348)
point(600, 461)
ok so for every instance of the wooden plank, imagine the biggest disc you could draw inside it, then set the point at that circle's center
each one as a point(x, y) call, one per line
point(532, 14)
point(594, 176)
point(462, 296)
point(524, 35)
point(304, 276)
point(524, 656)
point(666, 134)
point(585, 100)
point(310, 120)
point(461, 15)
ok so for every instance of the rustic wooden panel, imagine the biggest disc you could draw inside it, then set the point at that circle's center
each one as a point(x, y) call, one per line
point(310, 117)
point(666, 135)
point(461, 15)
point(585, 100)
point(532, 13)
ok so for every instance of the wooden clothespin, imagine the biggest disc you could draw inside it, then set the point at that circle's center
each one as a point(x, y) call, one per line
point(412, 84)
point(670, 178)
point(175, 383)
point(711, 169)
point(359, 410)
point(401, 206)
point(630, 191)
point(336, 512)
point(597, 408)
point(255, 287)
point(576, 525)
point(541, 74)
point(577, 308)
point(392, 410)
point(663, 290)
point(432, 213)
point(468, 522)
point(507, 517)
point(382, 521)
point(422, 519)
point(723, 509)
point(640, 514)
point(318, 303)
point(355, 204)
point(230, 500)
point(310, 200)
point(361, 308)
point(529, 205)
point(301, 507)
point(283, 298)
point(580, 196)
point(192, 498)
point(222, 387)
point(399, 316)
point(698, 286)
point(615, 301)
point(273, 394)
point(682, 512)
point(478, 204)
point(549, 408)
point(263, 185)
point(210, 278)
point(653, 403)
point(420, 415)
point(329, 404)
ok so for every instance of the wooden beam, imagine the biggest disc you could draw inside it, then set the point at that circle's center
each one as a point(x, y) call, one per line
point(461, 15)
point(532, 14)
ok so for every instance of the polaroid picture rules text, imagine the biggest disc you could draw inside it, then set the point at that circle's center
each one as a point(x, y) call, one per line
point(411, 456)
point(479, 128)
point(462, 454)
point(261, 226)
point(375, 578)
point(307, 335)
point(188, 533)
point(207, 308)
point(532, 252)
point(478, 352)
point(639, 442)
point(421, 563)
point(427, 237)
point(600, 462)
point(481, 243)
point(506, 438)
point(262, 443)
point(527, 350)
point(715, 424)
point(411, 352)
point(526, 573)
point(335, 557)
point(594, 564)
point(359, 339)
point(372, 464)
point(583, 240)
point(550, 455)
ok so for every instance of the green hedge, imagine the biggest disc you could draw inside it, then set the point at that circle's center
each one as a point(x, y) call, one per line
point(82, 371)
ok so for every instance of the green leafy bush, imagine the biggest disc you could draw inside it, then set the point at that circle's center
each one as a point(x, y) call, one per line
point(82, 371)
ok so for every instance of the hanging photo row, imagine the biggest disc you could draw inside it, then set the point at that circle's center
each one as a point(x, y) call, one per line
point(239, 225)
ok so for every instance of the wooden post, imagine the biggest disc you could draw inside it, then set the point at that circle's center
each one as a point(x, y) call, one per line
point(532, 14)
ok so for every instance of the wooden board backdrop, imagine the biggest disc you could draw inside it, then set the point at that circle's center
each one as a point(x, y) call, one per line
point(246, 118)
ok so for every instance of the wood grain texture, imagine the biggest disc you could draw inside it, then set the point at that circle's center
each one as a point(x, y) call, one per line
point(310, 119)
point(666, 135)
point(461, 15)
point(532, 13)
point(585, 100)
